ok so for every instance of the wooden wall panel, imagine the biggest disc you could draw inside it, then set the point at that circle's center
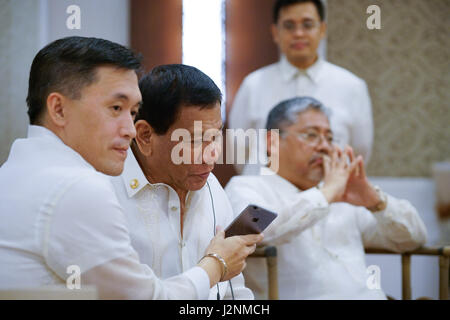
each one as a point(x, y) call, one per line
point(156, 31)
point(249, 46)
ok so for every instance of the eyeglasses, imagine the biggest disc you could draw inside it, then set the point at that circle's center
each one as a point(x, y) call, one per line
point(314, 138)
point(306, 26)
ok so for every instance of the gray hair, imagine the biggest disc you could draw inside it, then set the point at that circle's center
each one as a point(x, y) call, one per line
point(286, 112)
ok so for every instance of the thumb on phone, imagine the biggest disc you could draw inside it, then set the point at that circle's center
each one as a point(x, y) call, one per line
point(220, 232)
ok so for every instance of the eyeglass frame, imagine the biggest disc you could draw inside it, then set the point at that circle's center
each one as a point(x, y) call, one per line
point(304, 137)
point(304, 26)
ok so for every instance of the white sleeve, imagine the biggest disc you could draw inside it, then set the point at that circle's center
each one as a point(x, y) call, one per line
point(88, 229)
point(300, 212)
point(126, 278)
point(397, 228)
point(362, 128)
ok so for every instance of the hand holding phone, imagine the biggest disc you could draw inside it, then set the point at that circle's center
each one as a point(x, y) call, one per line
point(252, 220)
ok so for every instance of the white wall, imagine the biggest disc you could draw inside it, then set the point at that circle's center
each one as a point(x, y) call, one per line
point(107, 19)
point(424, 269)
point(19, 41)
point(28, 25)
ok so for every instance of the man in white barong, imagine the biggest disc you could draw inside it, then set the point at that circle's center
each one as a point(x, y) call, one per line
point(328, 211)
point(173, 203)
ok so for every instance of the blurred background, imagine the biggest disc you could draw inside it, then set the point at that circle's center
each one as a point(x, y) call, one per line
point(406, 65)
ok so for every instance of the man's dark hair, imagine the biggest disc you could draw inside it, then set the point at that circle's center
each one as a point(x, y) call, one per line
point(168, 88)
point(68, 65)
point(279, 4)
point(286, 112)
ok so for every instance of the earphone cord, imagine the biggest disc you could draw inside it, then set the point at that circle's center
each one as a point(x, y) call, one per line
point(214, 215)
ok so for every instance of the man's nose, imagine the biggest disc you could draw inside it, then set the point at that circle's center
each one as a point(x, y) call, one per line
point(299, 31)
point(324, 146)
point(127, 128)
point(211, 153)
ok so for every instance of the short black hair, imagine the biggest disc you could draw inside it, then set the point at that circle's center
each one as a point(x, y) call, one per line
point(279, 4)
point(167, 88)
point(69, 64)
point(286, 112)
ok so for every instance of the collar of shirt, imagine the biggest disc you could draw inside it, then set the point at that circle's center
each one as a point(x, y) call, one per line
point(40, 131)
point(132, 176)
point(23, 147)
point(288, 71)
point(281, 182)
point(134, 179)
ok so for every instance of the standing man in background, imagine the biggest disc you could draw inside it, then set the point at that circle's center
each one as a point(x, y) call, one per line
point(298, 27)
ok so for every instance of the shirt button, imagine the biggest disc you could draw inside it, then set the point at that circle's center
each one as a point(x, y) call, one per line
point(174, 208)
point(134, 184)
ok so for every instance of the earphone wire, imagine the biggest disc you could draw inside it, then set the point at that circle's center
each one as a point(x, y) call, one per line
point(214, 215)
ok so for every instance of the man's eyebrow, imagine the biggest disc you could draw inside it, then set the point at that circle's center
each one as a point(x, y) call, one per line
point(191, 129)
point(123, 96)
point(316, 128)
point(120, 96)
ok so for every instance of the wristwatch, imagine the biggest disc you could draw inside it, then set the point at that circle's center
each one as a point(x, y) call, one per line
point(382, 204)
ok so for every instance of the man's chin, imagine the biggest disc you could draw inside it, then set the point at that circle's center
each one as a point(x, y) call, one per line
point(316, 175)
point(301, 57)
point(112, 170)
point(196, 183)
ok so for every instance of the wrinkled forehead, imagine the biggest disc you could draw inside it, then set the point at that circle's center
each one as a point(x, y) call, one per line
point(199, 118)
point(311, 119)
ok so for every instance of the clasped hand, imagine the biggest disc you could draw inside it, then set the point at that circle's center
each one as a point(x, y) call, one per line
point(345, 179)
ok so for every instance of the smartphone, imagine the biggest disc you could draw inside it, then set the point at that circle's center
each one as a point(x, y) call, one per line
point(252, 220)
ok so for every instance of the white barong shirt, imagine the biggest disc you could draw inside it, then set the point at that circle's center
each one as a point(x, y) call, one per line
point(320, 246)
point(153, 215)
point(57, 211)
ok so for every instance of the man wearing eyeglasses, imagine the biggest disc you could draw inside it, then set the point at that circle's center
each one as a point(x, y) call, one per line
point(297, 29)
point(328, 211)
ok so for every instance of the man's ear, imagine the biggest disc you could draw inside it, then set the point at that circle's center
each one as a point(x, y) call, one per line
point(273, 142)
point(144, 135)
point(273, 147)
point(274, 31)
point(56, 109)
